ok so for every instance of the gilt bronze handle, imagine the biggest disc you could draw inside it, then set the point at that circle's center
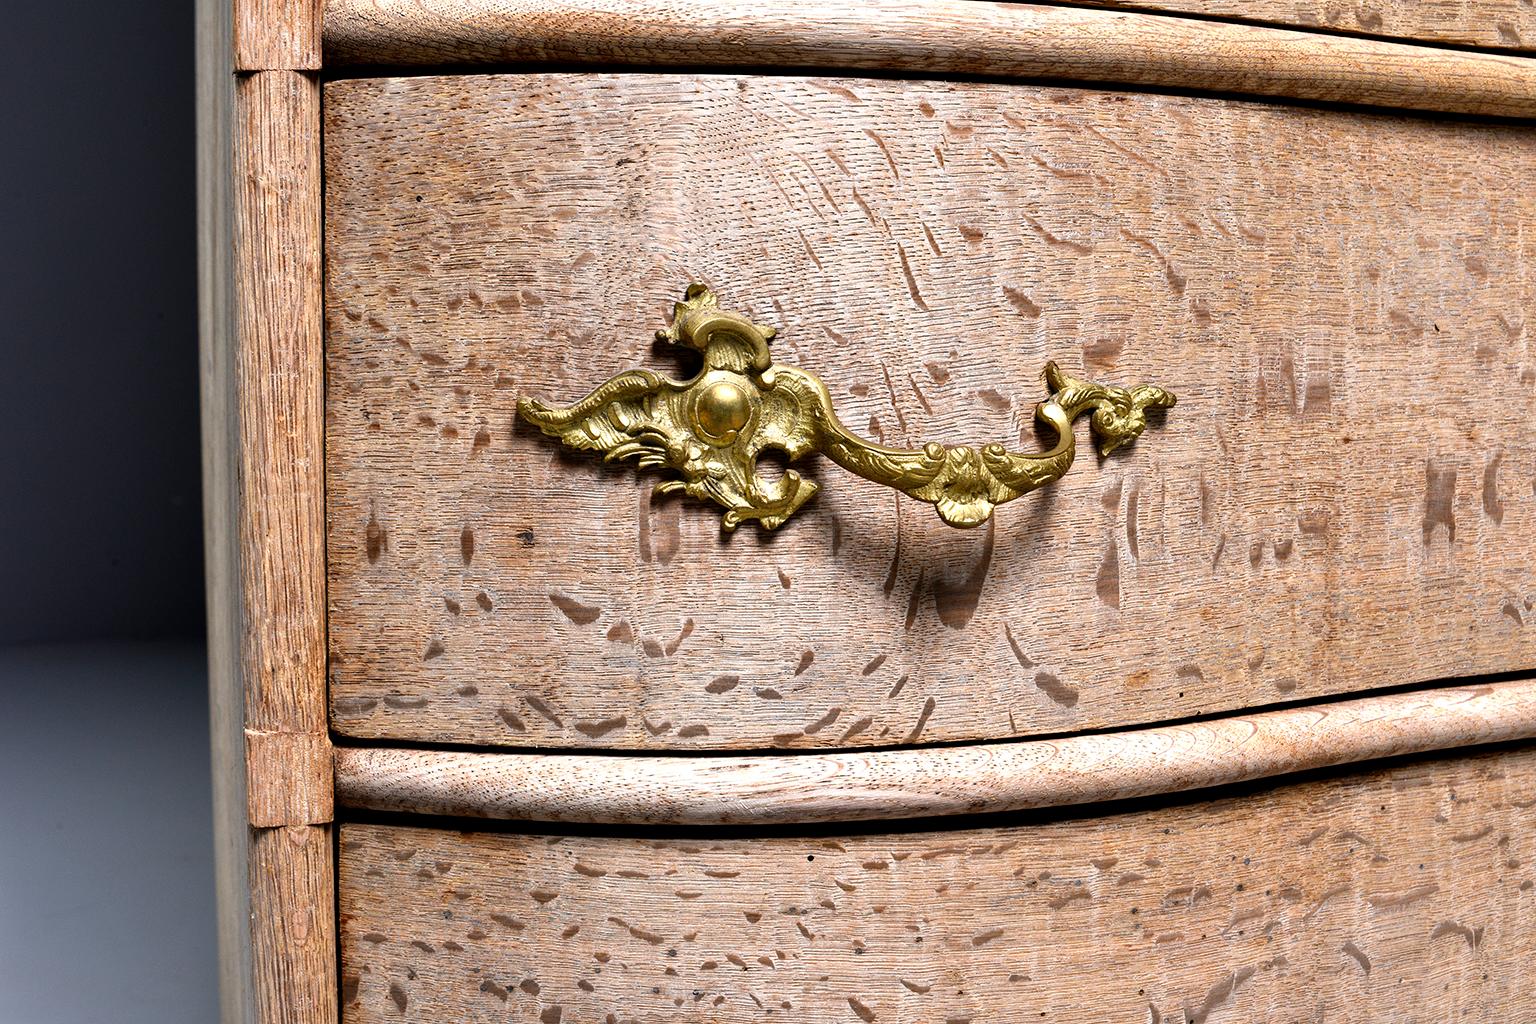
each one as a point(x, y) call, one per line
point(712, 429)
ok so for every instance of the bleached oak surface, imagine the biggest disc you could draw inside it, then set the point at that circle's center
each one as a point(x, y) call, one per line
point(263, 460)
point(279, 520)
point(850, 786)
point(1400, 894)
point(276, 35)
point(1342, 499)
point(1507, 24)
point(933, 37)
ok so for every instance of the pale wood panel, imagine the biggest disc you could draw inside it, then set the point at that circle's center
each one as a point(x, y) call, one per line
point(1402, 894)
point(915, 783)
point(932, 37)
point(1508, 24)
point(1342, 499)
point(262, 381)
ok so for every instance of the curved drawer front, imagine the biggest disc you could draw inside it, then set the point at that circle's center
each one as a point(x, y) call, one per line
point(1396, 894)
point(1342, 498)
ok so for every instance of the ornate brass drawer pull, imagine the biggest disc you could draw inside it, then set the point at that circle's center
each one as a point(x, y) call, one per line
point(712, 428)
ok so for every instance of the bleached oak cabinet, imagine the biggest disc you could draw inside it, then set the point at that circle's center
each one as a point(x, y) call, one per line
point(654, 574)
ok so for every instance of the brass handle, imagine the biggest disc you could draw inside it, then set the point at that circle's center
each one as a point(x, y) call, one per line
point(712, 428)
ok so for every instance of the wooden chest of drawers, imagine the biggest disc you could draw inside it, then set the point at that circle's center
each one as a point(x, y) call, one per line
point(504, 732)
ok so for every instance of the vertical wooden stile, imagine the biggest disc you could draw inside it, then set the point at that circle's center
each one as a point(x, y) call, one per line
point(263, 386)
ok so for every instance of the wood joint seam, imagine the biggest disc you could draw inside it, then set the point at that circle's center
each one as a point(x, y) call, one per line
point(289, 778)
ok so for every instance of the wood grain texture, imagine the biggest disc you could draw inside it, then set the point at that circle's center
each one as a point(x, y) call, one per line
point(276, 35)
point(280, 518)
point(933, 37)
point(1400, 894)
point(1507, 24)
point(293, 925)
point(1344, 498)
point(916, 783)
point(280, 387)
point(289, 778)
point(262, 379)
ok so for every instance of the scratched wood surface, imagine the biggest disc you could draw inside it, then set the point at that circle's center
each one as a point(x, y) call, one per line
point(1344, 498)
point(262, 382)
point(1401, 894)
point(276, 35)
point(1506, 24)
point(928, 38)
point(279, 519)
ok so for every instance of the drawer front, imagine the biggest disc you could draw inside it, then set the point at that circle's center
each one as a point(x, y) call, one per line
point(1342, 499)
point(1399, 893)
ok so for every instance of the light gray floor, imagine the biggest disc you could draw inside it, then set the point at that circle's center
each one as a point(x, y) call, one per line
point(106, 870)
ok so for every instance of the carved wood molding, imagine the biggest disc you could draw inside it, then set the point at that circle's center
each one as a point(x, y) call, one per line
point(919, 782)
point(934, 37)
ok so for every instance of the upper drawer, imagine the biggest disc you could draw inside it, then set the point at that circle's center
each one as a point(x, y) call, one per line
point(1344, 497)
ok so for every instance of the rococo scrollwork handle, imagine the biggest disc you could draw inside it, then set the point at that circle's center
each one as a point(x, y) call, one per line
point(711, 429)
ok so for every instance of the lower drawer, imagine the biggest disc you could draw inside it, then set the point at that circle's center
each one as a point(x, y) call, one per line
point(1397, 893)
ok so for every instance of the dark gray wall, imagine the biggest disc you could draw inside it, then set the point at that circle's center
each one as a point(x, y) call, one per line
point(100, 524)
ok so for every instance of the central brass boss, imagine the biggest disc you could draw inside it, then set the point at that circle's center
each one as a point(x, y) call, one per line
point(722, 410)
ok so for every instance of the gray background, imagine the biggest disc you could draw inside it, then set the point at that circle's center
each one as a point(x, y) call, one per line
point(100, 529)
point(106, 881)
